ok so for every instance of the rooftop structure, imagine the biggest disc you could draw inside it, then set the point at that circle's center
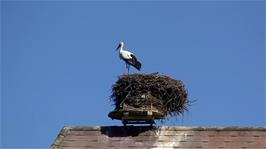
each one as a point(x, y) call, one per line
point(169, 137)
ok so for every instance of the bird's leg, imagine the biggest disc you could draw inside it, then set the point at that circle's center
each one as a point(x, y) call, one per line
point(128, 68)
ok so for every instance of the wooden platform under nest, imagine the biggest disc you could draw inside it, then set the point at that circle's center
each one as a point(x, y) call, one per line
point(131, 115)
point(136, 116)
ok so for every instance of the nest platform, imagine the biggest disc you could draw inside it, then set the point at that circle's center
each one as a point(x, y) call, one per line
point(136, 116)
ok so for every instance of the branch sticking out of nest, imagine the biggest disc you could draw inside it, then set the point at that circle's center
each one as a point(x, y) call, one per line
point(139, 91)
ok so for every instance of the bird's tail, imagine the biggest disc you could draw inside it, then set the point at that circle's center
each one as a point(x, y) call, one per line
point(137, 65)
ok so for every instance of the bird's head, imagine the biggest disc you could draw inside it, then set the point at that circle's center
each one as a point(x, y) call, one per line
point(121, 44)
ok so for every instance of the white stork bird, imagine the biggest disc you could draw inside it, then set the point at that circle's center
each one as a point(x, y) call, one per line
point(128, 57)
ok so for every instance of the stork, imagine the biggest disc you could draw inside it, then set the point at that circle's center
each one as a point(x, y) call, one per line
point(128, 57)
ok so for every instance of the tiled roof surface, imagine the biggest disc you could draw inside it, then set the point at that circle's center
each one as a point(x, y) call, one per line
point(142, 137)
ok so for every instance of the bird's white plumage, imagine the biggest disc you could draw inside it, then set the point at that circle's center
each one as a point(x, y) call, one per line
point(125, 54)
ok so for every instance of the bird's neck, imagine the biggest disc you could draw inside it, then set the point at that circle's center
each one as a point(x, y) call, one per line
point(121, 49)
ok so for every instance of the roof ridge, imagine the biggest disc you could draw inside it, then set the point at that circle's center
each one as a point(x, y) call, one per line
point(171, 128)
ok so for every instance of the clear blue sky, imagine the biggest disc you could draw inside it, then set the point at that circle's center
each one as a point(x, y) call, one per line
point(58, 62)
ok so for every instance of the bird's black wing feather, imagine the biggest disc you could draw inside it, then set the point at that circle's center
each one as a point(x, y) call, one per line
point(134, 62)
point(133, 57)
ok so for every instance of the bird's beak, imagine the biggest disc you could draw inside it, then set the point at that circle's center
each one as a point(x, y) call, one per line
point(118, 47)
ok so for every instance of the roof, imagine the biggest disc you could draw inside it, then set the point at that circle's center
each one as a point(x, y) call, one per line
point(160, 137)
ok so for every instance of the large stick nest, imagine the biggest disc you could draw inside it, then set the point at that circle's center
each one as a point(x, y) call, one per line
point(140, 91)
